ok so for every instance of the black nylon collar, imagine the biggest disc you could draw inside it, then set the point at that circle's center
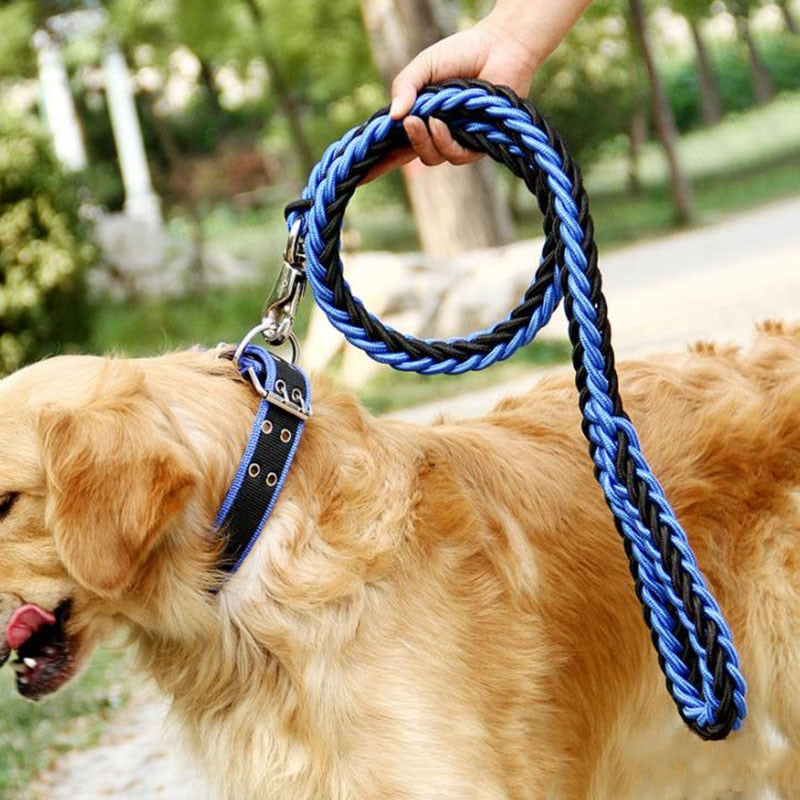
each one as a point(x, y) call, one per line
point(275, 435)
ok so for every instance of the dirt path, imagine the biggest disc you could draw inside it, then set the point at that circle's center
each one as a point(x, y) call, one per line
point(714, 283)
point(139, 758)
point(710, 283)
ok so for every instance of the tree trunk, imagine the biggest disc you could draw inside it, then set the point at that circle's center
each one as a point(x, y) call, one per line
point(711, 108)
point(788, 17)
point(763, 86)
point(286, 100)
point(210, 85)
point(680, 188)
point(637, 136)
point(456, 208)
point(163, 133)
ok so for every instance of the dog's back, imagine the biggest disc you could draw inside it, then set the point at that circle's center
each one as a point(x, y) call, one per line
point(456, 617)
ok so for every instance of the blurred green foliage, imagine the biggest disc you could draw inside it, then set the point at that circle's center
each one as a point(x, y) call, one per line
point(204, 151)
point(45, 250)
point(16, 23)
point(780, 52)
point(593, 84)
point(320, 49)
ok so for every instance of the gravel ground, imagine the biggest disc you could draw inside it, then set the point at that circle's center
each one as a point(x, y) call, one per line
point(715, 282)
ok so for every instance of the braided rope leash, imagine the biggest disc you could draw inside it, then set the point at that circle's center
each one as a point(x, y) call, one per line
point(694, 643)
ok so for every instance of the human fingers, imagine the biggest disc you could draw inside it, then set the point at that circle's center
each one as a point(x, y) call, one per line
point(447, 146)
point(461, 55)
point(432, 143)
point(421, 140)
point(395, 159)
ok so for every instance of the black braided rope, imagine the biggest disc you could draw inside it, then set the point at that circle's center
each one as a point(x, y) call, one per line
point(552, 255)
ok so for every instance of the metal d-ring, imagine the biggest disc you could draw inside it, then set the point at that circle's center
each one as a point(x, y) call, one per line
point(242, 346)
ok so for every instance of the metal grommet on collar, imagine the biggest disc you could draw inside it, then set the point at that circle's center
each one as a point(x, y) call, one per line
point(271, 479)
point(254, 470)
point(286, 435)
point(266, 427)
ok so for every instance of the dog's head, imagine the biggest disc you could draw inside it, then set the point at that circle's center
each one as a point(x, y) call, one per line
point(92, 476)
point(112, 472)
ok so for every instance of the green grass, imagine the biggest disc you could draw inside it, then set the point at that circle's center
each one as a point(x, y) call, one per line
point(742, 142)
point(391, 390)
point(748, 160)
point(620, 218)
point(35, 734)
point(148, 326)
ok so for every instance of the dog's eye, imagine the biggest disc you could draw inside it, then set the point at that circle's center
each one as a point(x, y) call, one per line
point(7, 501)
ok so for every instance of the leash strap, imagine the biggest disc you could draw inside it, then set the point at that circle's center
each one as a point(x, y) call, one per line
point(693, 641)
point(274, 437)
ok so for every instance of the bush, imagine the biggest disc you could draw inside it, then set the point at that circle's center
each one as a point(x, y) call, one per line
point(45, 251)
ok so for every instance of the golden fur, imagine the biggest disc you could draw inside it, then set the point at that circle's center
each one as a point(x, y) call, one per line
point(432, 613)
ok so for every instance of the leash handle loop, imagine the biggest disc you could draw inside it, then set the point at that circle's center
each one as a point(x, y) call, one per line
point(693, 641)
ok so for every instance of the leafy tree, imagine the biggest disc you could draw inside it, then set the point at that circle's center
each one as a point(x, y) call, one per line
point(592, 86)
point(694, 12)
point(320, 79)
point(680, 188)
point(45, 251)
point(763, 85)
point(17, 22)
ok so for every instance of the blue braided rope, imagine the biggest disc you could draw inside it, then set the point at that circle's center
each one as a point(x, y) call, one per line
point(479, 110)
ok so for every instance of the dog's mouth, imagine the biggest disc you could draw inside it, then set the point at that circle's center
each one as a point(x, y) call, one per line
point(44, 662)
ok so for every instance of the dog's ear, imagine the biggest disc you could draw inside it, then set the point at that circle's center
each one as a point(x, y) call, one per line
point(114, 480)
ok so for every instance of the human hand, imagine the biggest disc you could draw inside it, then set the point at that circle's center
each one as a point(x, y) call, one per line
point(506, 47)
point(485, 51)
point(489, 50)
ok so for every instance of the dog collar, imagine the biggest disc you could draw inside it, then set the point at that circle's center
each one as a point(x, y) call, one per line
point(284, 408)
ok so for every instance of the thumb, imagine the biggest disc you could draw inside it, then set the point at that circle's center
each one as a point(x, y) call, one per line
point(408, 82)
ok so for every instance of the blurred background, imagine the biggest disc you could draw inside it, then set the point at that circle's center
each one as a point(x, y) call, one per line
point(147, 148)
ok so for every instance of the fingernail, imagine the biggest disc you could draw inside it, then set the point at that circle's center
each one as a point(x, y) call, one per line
point(394, 108)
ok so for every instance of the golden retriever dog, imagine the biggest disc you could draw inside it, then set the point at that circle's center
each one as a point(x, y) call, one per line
point(431, 613)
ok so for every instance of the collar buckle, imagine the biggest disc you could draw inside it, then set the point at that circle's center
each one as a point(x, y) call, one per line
point(296, 405)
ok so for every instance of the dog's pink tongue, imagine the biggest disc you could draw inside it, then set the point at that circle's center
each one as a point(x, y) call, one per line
point(24, 622)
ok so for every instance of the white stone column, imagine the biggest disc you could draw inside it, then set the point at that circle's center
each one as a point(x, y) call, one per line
point(141, 202)
point(59, 108)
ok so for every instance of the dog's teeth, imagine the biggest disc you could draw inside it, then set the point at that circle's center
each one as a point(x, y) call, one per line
point(29, 662)
point(22, 679)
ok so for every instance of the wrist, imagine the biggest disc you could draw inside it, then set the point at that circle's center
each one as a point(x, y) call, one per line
point(534, 27)
point(514, 29)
